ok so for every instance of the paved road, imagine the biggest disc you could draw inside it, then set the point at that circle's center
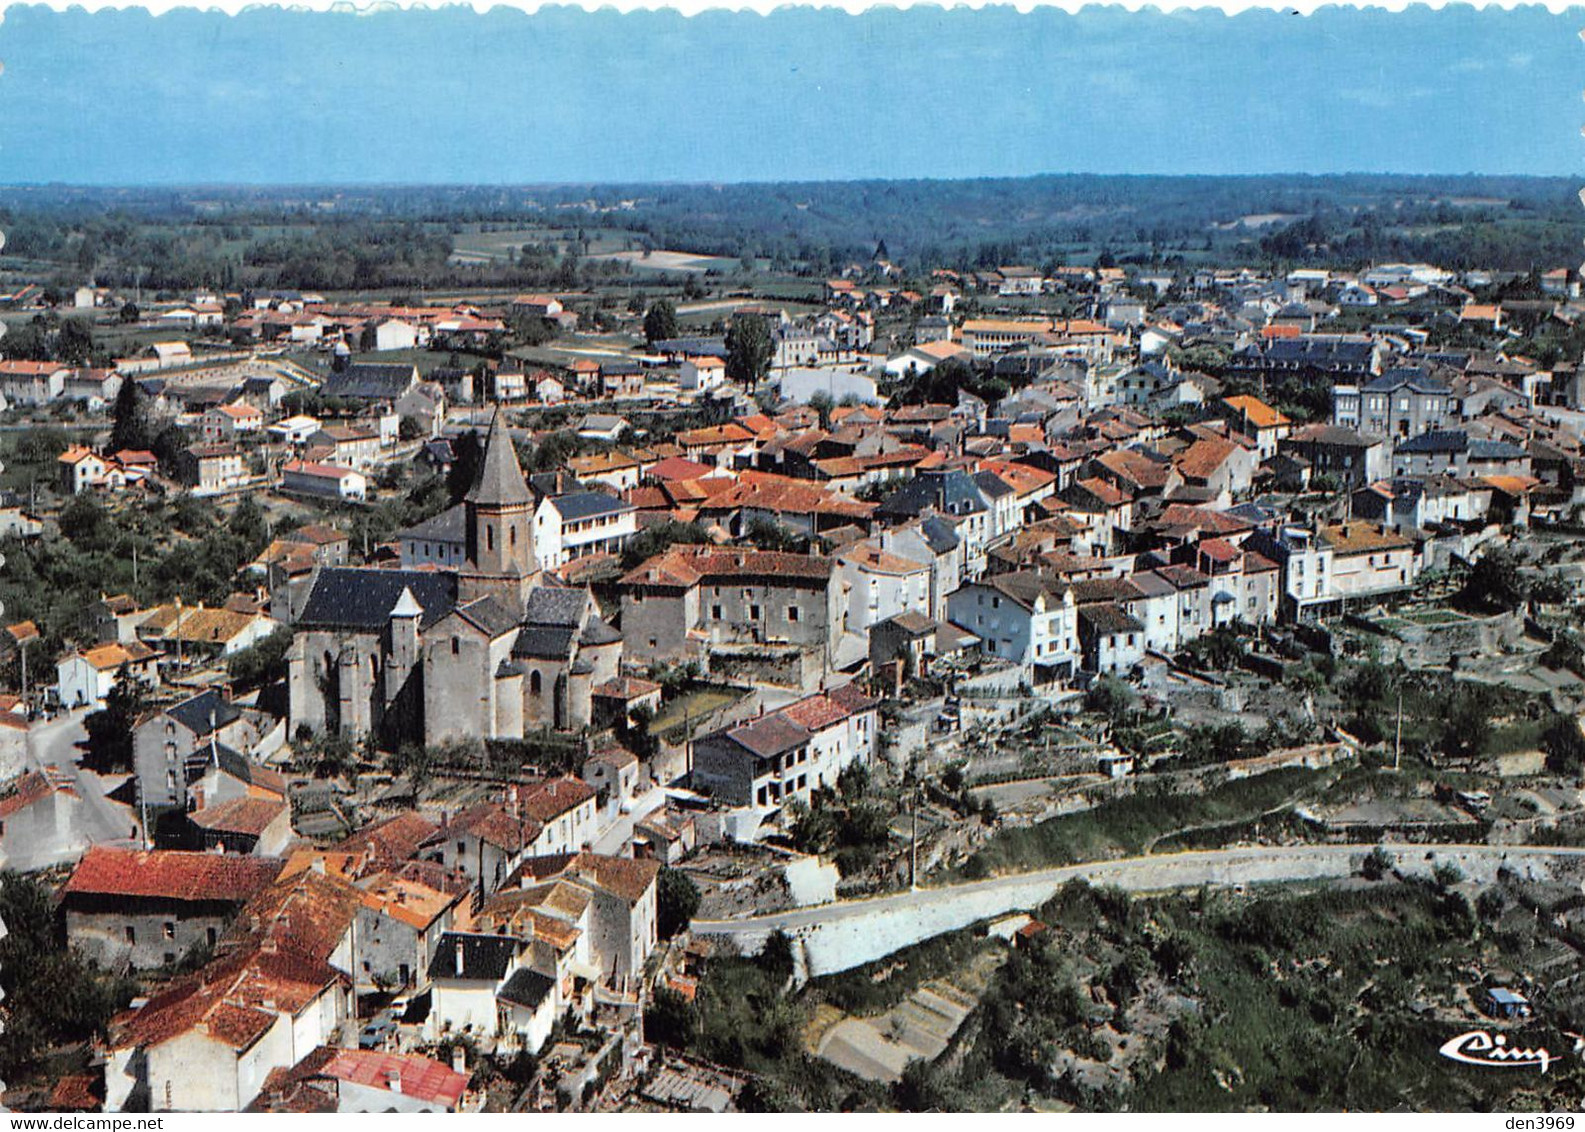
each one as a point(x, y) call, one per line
point(615, 840)
point(54, 744)
point(1251, 865)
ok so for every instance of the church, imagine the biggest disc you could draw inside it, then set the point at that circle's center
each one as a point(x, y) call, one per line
point(487, 650)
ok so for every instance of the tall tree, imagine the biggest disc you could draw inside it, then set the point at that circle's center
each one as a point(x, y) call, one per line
point(110, 728)
point(75, 346)
point(660, 322)
point(466, 455)
point(132, 419)
point(677, 901)
point(748, 350)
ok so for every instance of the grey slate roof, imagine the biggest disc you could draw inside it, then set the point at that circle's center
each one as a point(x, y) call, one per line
point(1407, 377)
point(545, 642)
point(597, 632)
point(451, 525)
point(500, 476)
point(490, 614)
point(953, 491)
point(484, 957)
point(587, 504)
point(346, 597)
point(698, 347)
point(991, 485)
point(370, 381)
point(556, 605)
point(204, 712)
point(939, 534)
point(526, 988)
point(1437, 440)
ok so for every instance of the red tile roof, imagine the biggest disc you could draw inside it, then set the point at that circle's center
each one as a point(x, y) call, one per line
point(170, 874)
point(248, 816)
point(393, 840)
point(684, 566)
point(419, 1077)
point(550, 800)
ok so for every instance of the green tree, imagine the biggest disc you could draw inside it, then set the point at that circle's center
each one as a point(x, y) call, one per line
point(1494, 581)
point(654, 540)
point(51, 995)
point(1564, 746)
point(1110, 697)
point(671, 1020)
point(467, 456)
point(263, 663)
point(660, 321)
point(822, 404)
point(748, 350)
point(75, 342)
point(677, 901)
point(1466, 729)
point(110, 728)
point(1378, 863)
point(132, 420)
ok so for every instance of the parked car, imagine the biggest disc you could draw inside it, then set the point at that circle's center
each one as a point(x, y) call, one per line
point(377, 1034)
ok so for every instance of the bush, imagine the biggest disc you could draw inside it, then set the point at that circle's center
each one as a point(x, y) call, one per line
point(1378, 863)
point(1564, 746)
point(677, 901)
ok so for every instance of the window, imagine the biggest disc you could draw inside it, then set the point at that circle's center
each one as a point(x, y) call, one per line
point(210, 936)
point(534, 682)
point(792, 613)
point(489, 537)
point(132, 934)
point(456, 646)
point(170, 930)
point(715, 612)
point(753, 613)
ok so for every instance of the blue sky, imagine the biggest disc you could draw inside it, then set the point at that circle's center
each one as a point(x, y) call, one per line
point(272, 96)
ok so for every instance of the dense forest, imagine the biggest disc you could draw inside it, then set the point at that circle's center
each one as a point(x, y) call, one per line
point(346, 238)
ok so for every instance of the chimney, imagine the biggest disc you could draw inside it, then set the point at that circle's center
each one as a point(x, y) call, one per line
point(393, 1080)
point(459, 959)
point(459, 1058)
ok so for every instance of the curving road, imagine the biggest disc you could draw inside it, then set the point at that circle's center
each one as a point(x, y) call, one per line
point(850, 933)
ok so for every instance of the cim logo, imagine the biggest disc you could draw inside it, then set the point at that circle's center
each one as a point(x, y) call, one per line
point(1477, 1047)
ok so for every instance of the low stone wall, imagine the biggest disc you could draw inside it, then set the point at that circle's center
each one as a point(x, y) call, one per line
point(1437, 644)
point(843, 935)
point(779, 666)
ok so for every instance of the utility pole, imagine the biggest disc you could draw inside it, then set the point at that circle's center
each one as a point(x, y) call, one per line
point(913, 845)
point(1397, 742)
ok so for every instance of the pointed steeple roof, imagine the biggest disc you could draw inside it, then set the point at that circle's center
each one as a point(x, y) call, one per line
point(407, 605)
point(500, 478)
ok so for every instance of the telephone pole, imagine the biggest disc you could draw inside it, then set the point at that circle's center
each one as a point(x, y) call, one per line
point(913, 845)
point(1397, 741)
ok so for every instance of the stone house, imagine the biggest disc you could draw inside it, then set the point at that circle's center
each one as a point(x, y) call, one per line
point(789, 753)
point(148, 908)
point(679, 603)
